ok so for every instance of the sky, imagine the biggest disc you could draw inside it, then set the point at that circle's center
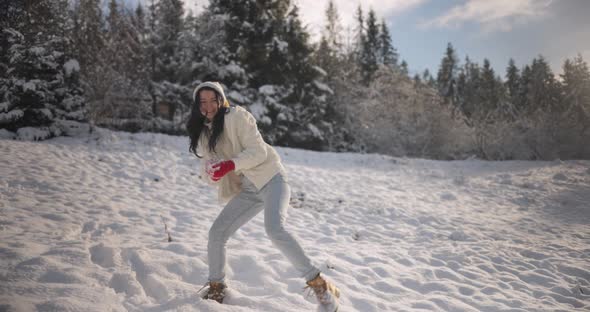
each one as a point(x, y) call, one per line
point(493, 29)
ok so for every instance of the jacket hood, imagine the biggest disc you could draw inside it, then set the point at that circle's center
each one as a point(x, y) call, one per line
point(215, 86)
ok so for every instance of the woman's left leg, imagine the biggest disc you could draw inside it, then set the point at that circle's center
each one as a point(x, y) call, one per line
point(276, 194)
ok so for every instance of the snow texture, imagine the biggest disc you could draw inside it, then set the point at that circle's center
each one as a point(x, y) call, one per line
point(33, 134)
point(71, 66)
point(83, 228)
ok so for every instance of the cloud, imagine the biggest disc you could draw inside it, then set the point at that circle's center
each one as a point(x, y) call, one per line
point(312, 12)
point(492, 15)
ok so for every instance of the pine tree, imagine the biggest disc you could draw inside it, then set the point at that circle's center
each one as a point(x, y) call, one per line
point(512, 83)
point(576, 90)
point(447, 74)
point(370, 49)
point(89, 35)
point(428, 79)
point(169, 26)
point(139, 20)
point(404, 68)
point(469, 96)
point(461, 89)
point(488, 91)
point(417, 80)
point(544, 89)
point(333, 29)
point(41, 84)
point(299, 51)
point(267, 40)
point(524, 102)
point(359, 33)
point(388, 55)
point(167, 57)
point(329, 54)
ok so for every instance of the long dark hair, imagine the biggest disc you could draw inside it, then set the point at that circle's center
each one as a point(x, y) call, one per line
point(196, 123)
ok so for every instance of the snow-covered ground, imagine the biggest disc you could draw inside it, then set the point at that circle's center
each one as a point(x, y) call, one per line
point(82, 229)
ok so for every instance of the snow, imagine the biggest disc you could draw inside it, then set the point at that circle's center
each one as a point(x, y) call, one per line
point(281, 45)
point(236, 96)
point(37, 50)
point(82, 228)
point(320, 70)
point(267, 90)
point(11, 116)
point(322, 86)
point(7, 135)
point(32, 133)
point(258, 110)
point(4, 106)
point(233, 69)
point(71, 66)
point(30, 85)
point(315, 131)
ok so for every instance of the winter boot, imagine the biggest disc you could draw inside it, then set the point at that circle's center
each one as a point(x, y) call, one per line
point(216, 291)
point(326, 293)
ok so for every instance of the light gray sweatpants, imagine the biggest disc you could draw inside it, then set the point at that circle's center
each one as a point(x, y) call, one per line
point(273, 198)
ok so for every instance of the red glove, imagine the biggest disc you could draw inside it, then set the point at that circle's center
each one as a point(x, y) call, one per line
point(222, 168)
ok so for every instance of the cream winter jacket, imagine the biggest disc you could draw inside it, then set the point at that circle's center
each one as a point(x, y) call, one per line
point(241, 142)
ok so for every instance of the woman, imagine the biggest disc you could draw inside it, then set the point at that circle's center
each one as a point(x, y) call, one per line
point(250, 178)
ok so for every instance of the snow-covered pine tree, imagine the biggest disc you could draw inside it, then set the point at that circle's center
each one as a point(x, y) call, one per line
point(169, 59)
point(371, 49)
point(88, 35)
point(388, 55)
point(126, 63)
point(403, 67)
point(524, 105)
point(576, 88)
point(41, 82)
point(341, 74)
point(576, 115)
point(359, 34)
point(89, 44)
point(328, 55)
point(544, 88)
point(467, 93)
point(447, 74)
point(332, 31)
point(169, 28)
point(460, 88)
point(512, 84)
point(211, 59)
point(428, 79)
point(417, 80)
point(267, 40)
point(488, 90)
point(309, 95)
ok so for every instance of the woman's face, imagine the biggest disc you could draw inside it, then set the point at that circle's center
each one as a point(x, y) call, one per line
point(208, 104)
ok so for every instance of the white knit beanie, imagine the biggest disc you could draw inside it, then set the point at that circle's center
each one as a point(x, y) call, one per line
point(213, 85)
